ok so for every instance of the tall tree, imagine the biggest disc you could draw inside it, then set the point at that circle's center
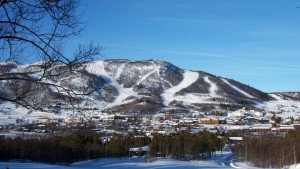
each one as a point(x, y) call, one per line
point(40, 29)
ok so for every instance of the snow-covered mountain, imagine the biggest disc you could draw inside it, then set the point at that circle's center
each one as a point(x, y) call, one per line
point(134, 86)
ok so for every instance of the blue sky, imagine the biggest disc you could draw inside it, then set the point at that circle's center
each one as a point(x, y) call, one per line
point(256, 42)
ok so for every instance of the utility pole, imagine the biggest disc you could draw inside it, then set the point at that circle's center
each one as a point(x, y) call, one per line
point(106, 141)
point(246, 152)
point(294, 151)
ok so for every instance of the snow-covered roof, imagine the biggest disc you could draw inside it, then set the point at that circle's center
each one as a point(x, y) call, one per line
point(287, 128)
point(134, 149)
point(236, 138)
point(260, 128)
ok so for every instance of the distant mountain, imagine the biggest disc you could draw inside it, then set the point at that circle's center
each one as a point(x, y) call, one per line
point(136, 87)
point(289, 95)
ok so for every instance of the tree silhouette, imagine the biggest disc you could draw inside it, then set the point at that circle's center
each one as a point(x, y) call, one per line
point(40, 29)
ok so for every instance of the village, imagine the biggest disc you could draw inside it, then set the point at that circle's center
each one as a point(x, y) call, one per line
point(249, 122)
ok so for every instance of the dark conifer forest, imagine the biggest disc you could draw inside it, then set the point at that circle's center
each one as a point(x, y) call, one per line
point(84, 146)
point(270, 151)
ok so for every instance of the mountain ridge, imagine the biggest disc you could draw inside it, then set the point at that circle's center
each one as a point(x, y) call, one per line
point(137, 86)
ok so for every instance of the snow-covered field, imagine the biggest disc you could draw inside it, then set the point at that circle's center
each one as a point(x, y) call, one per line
point(135, 163)
point(219, 161)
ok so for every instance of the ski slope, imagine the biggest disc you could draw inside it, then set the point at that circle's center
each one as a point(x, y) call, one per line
point(238, 89)
point(141, 80)
point(189, 78)
point(213, 87)
point(97, 68)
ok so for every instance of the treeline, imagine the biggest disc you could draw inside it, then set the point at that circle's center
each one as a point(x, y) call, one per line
point(266, 152)
point(68, 149)
point(186, 146)
point(57, 149)
point(119, 145)
point(84, 146)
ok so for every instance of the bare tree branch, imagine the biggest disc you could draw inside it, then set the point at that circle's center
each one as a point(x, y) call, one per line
point(39, 27)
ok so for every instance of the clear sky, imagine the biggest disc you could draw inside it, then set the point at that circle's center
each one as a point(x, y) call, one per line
point(256, 42)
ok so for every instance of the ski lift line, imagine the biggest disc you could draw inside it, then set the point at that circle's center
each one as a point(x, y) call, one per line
point(162, 74)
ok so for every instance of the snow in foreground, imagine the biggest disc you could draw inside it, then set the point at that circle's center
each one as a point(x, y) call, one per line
point(220, 161)
point(223, 160)
point(120, 164)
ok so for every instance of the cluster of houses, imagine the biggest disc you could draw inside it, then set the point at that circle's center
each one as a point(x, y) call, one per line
point(251, 121)
point(248, 122)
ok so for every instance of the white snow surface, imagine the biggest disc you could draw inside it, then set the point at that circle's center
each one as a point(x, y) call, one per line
point(283, 107)
point(193, 98)
point(155, 70)
point(135, 163)
point(189, 78)
point(213, 87)
point(97, 68)
point(237, 89)
point(9, 113)
point(119, 71)
point(223, 160)
point(276, 97)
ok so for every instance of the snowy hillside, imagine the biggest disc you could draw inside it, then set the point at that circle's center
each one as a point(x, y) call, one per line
point(188, 79)
point(284, 106)
point(138, 87)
